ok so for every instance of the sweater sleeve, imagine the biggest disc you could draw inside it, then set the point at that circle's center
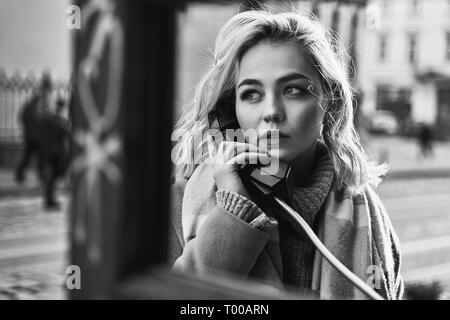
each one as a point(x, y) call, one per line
point(245, 209)
point(225, 243)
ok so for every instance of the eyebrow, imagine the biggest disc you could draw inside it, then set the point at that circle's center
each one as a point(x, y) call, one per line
point(289, 77)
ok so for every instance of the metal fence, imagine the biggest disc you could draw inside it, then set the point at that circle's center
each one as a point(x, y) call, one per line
point(15, 90)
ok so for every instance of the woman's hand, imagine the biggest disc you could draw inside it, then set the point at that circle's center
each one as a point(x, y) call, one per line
point(228, 158)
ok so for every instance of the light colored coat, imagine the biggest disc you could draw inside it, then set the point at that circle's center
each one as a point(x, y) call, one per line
point(356, 229)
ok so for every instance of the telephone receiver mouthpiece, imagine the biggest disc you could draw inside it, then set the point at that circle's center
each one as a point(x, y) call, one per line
point(273, 184)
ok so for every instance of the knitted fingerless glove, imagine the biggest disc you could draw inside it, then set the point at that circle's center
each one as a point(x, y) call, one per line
point(245, 210)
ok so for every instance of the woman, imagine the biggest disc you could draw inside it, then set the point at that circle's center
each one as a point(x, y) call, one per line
point(282, 73)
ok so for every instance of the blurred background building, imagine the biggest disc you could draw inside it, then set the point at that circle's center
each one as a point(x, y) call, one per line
point(404, 64)
point(346, 17)
point(400, 50)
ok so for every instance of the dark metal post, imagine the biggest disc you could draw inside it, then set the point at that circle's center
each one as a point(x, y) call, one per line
point(149, 95)
point(122, 113)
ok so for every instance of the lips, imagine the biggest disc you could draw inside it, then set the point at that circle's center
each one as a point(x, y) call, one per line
point(268, 135)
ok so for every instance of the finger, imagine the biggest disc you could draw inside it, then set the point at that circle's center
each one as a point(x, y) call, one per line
point(265, 142)
point(263, 146)
point(240, 147)
point(232, 149)
point(250, 158)
point(246, 147)
point(224, 152)
point(253, 140)
point(212, 151)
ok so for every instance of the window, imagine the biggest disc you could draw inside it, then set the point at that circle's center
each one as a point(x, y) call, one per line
point(447, 47)
point(443, 102)
point(415, 6)
point(394, 99)
point(412, 48)
point(382, 96)
point(385, 5)
point(382, 48)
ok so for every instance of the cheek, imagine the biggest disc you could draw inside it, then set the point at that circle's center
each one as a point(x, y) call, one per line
point(246, 117)
point(305, 121)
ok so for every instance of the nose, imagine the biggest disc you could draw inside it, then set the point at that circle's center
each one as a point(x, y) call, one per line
point(273, 111)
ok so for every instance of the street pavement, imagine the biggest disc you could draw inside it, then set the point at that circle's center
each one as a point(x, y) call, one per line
point(33, 249)
point(33, 242)
point(420, 213)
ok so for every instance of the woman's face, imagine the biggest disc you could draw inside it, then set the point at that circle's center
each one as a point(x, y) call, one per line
point(272, 93)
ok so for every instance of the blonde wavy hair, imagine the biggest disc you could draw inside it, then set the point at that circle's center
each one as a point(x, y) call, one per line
point(354, 168)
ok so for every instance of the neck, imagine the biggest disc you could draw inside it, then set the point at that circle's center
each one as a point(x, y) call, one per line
point(303, 165)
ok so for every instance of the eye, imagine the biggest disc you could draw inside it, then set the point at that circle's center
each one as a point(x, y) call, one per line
point(251, 95)
point(294, 91)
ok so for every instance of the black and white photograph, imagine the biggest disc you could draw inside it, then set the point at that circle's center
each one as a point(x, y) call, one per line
point(207, 150)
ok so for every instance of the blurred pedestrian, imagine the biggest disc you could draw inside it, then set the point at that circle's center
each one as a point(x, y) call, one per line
point(55, 151)
point(425, 141)
point(31, 116)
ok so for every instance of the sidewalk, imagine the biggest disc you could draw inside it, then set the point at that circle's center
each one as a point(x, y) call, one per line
point(30, 187)
point(33, 241)
point(33, 249)
point(402, 155)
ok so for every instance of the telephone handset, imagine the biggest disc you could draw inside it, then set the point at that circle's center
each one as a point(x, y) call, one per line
point(278, 187)
point(256, 177)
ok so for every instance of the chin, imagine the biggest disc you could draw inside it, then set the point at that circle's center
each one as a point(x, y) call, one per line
point(283, 155)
